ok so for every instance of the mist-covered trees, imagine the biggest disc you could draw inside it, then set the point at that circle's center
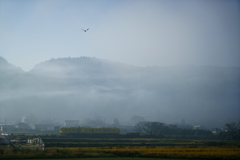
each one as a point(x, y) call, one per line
point(232, 131)
point(233, 126)
point(158, 128)
point(154, 128)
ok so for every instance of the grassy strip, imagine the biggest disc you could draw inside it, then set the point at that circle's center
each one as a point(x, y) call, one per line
point(97, 140)
point(62, 139)
point(189, 153)
point(86, 144)
point(191, 144)
point(139, 141)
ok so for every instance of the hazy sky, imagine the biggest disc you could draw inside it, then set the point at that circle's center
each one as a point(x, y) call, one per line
point(138, 32)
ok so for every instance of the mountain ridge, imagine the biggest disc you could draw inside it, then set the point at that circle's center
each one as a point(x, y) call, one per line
point(4, 65)
point(82, 87)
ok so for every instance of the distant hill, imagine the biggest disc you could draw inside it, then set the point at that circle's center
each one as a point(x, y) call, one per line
point(9, 74)
point(6, 68)
point(78, 88)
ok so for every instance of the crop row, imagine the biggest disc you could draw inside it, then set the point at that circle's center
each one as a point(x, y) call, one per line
point(172, 152)
point(206, 153)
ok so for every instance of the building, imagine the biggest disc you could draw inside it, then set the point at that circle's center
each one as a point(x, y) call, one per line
point(199, 127)
point(20, 141)
point(42, 127)
point(71, 123)
point(7, 127)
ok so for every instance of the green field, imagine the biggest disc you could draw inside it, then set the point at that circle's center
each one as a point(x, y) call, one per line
point(131, 142)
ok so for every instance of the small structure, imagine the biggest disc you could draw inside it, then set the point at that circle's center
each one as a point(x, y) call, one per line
point(42, 127)
point(198, 127)
point(24, 141)
point(71, 123)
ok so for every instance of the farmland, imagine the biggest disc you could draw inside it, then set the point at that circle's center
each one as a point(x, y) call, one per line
point(139, 148)
point(132, 142)
point(136, 152)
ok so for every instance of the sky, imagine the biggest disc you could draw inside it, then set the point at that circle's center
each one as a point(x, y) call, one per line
point(136, 32)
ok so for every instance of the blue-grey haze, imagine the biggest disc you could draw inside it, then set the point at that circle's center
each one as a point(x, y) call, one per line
point(80, 88)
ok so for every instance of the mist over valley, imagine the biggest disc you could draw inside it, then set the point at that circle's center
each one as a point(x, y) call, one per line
point(91, 88)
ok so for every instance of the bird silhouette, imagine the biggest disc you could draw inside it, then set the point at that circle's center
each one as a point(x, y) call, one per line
point(85, 30)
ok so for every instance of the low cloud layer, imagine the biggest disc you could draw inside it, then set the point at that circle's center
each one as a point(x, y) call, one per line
point(79, 88)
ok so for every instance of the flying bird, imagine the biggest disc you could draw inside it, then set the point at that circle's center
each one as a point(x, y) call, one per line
point(85, 30)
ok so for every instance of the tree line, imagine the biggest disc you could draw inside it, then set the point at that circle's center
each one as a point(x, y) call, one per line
point(232, 131)
point(159, 129)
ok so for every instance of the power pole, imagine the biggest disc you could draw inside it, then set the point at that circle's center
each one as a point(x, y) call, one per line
point(1, 117)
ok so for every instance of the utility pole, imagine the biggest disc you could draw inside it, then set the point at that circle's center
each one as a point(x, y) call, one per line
point(1, 117)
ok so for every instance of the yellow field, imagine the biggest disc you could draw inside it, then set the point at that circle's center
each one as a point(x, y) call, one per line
point(192, 153)
point(172, 152)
